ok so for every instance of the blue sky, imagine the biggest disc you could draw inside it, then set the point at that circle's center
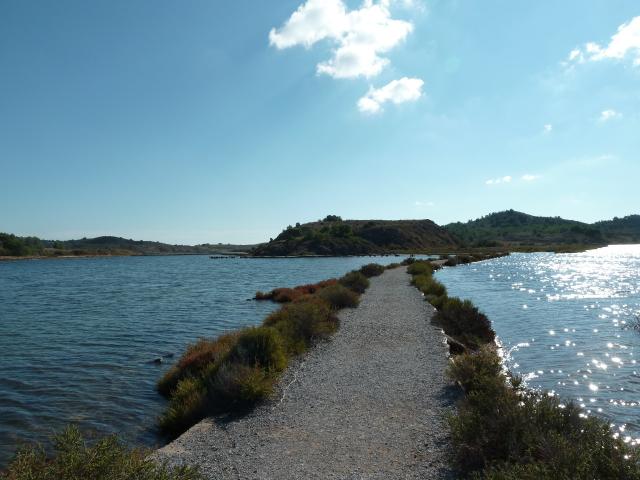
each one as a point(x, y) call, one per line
point(200, 121)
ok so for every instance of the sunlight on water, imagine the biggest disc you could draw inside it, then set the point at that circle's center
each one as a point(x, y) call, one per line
point(569, 324)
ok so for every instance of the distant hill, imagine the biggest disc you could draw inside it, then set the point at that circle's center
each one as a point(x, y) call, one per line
point(514, 229)
point(334, 236)
point(621, 230)
point(13, 246)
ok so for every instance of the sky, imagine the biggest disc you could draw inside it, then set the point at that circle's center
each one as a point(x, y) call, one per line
point(211, 121)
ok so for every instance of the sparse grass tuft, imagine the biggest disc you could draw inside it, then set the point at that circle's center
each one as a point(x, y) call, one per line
point(74, 459)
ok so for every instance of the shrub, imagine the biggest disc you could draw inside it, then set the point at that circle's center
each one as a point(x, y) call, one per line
point(372, 270)
point(356, 281)
point(408, 261)
point(187, 405)
point(391, 266)
point(452, 261)
point(300, 323)
point(259, 346)
point(339, 296)
point(428, 285)
point(195, 359)
point(437, 302)
point(420, 267)
point(463, 321)
point(237, 386)
point(286, 295)
point(73, 459)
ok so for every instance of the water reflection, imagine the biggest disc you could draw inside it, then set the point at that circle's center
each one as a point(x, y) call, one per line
point(568, 323)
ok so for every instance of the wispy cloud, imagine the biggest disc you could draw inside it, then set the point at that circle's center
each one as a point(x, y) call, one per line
point(362, 36)
point(547, 128)
point(530, 178)
point(499, 180)
point(624, 44)
point(396, 91)
point(609, 114)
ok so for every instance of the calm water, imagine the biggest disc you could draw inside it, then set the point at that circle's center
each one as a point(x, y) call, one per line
point(570, 324)
point(78, 336)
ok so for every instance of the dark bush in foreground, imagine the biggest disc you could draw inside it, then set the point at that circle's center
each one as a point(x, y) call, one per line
point(463, 321)
point(339, 296)
point(356, 281)
point(108, 459)
point(372, 270)
point(512, 433)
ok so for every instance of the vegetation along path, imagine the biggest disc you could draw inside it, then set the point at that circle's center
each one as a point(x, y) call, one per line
point(370, 403)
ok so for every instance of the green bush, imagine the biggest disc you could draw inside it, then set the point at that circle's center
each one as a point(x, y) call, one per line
point(187, 405)
point(420, 267)
point(73, 459)
point(428, 285)
point(339, 296)
point(197, 357)
point(237, 386)
point(356, 281)
point(463, 321)
point(502, 431)
point(300, 323)
point(372, 270)
point(437, 302)
point(259, 346)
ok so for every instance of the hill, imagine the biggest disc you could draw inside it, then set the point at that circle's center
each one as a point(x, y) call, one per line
point(334, 236)
point(517, 229)
point(14, 246)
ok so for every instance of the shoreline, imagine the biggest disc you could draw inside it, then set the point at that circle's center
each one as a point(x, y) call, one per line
point(370, 401)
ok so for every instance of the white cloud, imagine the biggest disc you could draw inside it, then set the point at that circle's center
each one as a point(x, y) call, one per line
point(530, 178)
point(396, 91)
point(497, 181)
point(548, 128)
point(624, 43)
point(360, 35)
point(609, 114)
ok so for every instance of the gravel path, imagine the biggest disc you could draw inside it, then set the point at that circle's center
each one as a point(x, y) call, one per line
point(369, 404)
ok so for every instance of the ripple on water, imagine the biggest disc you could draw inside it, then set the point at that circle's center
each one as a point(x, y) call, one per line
point(579, 334)
point(77, 335)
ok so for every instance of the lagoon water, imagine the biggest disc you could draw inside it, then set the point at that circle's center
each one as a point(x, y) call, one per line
point(78, 336)
point(569, 324)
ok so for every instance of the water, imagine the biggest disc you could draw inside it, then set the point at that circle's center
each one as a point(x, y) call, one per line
point(78, 336)
point(569, 324)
